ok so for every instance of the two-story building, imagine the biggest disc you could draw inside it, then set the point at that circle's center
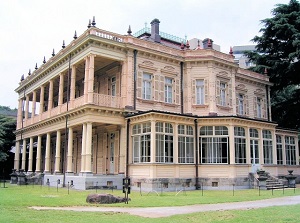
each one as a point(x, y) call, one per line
point(149, 107)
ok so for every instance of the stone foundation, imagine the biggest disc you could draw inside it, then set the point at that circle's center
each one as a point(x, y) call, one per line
point(176, 184)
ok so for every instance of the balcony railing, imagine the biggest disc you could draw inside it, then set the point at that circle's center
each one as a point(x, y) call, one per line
point(98, 99)
point(107, 100)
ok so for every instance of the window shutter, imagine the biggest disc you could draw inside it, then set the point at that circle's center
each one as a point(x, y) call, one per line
point(237, 104)
point(218, 92)
point(162, 88)
point(177, 91)
point(264, 110)
point(246, 104)
point(194, 92)
point(156, 87)
point(229, 93)
point(139, 84)
point(118, 76)
point(206, 91)
point(255, 106)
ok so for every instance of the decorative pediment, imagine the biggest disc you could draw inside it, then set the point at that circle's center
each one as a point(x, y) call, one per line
point(224, 75)
point(259, 91)
point(169, 70)
point(241, 87)
point(148, 63)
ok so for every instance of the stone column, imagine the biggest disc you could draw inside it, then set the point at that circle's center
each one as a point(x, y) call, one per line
point(83, 147)
point(24, 155)
point(30, 159)
point(260, 147)
point(17, 156)
point(47, 155)
point(50, 98)
point(231, 144)
point(38, 154)
point(274, 148)
point(88, 148)
point(33, 105)
point(175, 143)
point(42, 101)
point(91, 79)
point(27, 107)
point(86, 77)
point(72, 86)
point(152, 139)
point(20, 114)
point(70, 152)
point(61, 90)
point(248, 148)
point(57, 151)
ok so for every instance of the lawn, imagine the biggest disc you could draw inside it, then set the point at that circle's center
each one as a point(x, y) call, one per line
point(15, 200)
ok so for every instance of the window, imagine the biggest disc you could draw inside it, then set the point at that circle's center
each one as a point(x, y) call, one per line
point(267, 147)
point(259, 108)
point(240, 104)
point(223, 87)
point(199, 92)
point(141, 142)
point(279, 149)
point(168, 89)
point(113, 86)
point(214, 144)
point(147, 86)
point(240, 145)
point(185, 144)
point(254, 154)
point(290, 150)
point(164, 142)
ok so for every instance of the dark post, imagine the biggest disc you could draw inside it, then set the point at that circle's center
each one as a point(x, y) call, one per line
point(96, 186)
point(232, 189)
point(126, 188)
point(68, 187)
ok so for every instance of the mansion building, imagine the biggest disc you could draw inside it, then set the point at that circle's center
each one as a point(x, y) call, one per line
point(149, 107)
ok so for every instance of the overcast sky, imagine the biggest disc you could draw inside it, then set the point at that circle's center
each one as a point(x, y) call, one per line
point(31, 29)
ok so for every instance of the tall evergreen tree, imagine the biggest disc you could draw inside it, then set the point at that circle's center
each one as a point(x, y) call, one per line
point(7, 136)
point(278, 51)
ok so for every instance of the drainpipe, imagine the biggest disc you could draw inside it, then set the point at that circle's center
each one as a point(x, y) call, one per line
point(197, 161)
point(181, 87)
point(268, 103)
point(134, 79)
point(127, 148)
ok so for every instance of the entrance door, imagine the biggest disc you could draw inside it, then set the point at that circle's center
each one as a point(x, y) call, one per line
point(254, 155)
point(111, 153)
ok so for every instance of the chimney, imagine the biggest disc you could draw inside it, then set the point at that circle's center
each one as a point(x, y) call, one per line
point(155, 30)
point(207, 43)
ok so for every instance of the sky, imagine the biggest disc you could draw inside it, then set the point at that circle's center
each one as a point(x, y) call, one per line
point(31, 29)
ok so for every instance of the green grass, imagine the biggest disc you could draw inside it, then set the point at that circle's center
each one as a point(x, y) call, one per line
point(15, 200)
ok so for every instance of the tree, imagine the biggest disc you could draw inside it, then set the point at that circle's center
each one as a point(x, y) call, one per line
point(278, 51)
point(7, 136)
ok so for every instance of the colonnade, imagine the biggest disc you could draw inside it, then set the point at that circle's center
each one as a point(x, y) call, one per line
point(47, 89)
point(86, 152)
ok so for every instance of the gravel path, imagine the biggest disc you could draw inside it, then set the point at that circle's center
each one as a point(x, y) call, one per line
point(157, 212)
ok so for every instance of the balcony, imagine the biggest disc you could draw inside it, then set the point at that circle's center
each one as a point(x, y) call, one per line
point(102, 100)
